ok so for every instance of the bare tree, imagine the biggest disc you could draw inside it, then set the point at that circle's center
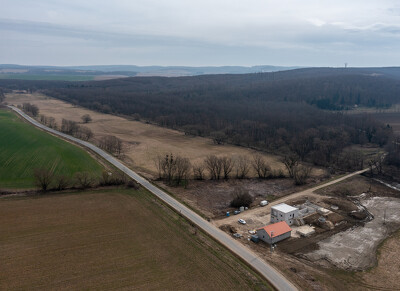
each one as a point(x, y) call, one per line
point(84, 133)
point(43, 119)
point(173, 169)
point(241, 197)
point(260, 166)
point(198, 171)
point(51, 122)
point(83, 180)
point(214, 166)
point(227, 166)
point(159, 163)
point(86, 118)
point(290, 163)
point(242, 167)
point(69, 126)
point(301, 174)
point(111, 143)
point(218, 137)
point(43, 178)
point(182, 170)
point(377, 164)
point(61, 182)
point(30, 109)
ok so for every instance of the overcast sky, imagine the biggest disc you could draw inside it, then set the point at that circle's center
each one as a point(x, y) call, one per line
point(200, 33)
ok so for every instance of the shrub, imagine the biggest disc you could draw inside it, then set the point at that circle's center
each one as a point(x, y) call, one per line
point(242, 198)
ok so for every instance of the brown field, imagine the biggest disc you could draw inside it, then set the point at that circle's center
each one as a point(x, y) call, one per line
point(143, 141)
point(110, 239)
point(385, 274)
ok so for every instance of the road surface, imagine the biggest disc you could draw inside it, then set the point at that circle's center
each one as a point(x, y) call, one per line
point(266, 270)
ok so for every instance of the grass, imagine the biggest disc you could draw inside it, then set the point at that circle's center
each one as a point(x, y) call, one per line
point(24, 148)
point(144, 142)
point(47, 77)
point(111, 239)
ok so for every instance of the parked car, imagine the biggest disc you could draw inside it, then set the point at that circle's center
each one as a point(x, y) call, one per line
point(263, 203)
point(242, 221)
point(236, 212)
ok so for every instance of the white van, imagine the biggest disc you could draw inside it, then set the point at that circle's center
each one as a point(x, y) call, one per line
point(263, 203)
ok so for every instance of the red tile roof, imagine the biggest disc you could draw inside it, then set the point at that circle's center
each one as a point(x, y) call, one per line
point(276, 228)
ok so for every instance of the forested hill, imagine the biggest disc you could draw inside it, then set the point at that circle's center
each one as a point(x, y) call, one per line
point(326, 88)
point(278, 111)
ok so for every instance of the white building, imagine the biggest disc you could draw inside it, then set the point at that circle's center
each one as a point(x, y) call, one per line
point(274, 232)
point(284, 212)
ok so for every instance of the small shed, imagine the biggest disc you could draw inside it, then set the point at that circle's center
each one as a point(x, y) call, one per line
point(284, 212)
point(274, 232)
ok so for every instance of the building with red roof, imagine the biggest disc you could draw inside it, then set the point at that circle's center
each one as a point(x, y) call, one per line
point(274, 232)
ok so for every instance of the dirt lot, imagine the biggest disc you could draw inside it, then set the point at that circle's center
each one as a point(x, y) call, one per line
point(213, 198)
point(143, 142)
point(327, 259)
point(355, 248)
point(109, 239)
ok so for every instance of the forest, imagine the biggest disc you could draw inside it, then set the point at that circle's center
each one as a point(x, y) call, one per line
point(299, 111)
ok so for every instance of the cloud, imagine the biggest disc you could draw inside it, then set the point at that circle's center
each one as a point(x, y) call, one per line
point(308, 32)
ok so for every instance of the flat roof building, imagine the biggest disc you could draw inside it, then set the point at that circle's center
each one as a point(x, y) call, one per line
point(284, 212)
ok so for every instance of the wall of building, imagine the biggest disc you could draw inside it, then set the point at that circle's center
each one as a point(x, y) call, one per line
point(277, 216)
point(262, 235)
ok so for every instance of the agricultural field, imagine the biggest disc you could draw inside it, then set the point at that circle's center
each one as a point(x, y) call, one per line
point(24, 148)
point(143, 142)
point(110, 239)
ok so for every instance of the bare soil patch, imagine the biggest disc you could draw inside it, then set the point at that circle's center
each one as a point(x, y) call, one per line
point(213, 197)
point(355, 248)
point(115, 239)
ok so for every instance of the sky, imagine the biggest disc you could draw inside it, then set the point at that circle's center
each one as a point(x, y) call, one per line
point(200, 33)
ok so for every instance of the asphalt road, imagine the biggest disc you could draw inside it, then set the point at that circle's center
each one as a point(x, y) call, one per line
point(270, 273)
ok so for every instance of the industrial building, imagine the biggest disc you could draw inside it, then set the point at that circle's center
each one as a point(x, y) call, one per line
point(274, 232)
point(284, 212)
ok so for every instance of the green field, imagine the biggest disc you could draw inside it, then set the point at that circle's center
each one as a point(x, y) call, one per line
point(24, 148)
point(47, 77)
point(110, 240)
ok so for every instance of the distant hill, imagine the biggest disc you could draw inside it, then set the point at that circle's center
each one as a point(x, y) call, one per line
point(8, 71)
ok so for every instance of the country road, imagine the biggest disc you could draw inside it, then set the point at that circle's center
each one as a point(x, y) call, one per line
point(262, 267)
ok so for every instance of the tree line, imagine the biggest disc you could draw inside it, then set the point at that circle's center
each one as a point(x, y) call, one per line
point(176, 170)
point(46, 180)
